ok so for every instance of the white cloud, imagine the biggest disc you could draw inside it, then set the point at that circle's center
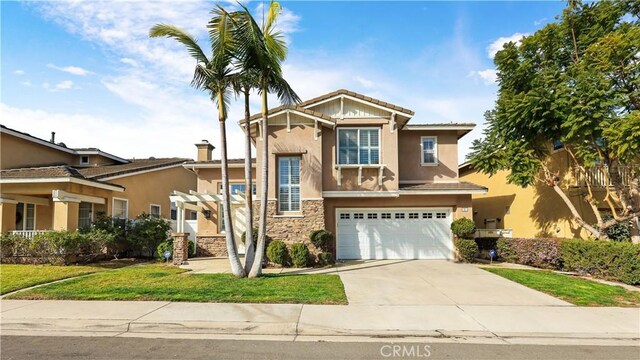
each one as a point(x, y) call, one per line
point(26, 83)
point(64, 85)
point(144, 139)
point(74, 70)
point(364, 82)
point(540, 21)
point(19, 72)
point(129, 61)
point(488, 76)
point(498, 44)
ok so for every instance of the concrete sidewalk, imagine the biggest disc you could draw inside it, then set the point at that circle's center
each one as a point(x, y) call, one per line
point(437, 321)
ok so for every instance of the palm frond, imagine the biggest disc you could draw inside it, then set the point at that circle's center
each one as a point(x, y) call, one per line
point(274, 11)
point(284, 91)
point(222, 40)
point(170, 31)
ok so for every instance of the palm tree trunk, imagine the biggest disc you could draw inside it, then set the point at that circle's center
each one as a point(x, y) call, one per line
point(250, 246)
point(256, 269)
point(234, 260)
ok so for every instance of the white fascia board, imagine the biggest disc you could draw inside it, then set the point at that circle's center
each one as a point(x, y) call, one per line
point(390, 110)
point(102, 153)
point(38, 141)
point(442, 128)
point(443, 192)
point(359, 194)
point(61, 195)
point(141, 172)
point(63, 179)
point(214, 166)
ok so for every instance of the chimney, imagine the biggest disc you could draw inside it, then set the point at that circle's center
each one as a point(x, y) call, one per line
point(204, 151)
point(53, 137)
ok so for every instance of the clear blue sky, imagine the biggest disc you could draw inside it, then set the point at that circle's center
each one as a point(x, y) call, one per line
point(88, 71)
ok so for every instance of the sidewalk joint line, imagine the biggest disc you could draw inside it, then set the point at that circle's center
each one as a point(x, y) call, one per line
point(295, 333)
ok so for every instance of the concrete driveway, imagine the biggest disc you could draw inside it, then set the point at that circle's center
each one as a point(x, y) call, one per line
point(432, 282)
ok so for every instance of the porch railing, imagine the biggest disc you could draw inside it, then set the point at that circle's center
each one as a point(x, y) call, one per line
point(598, 176)
point(494, 233)
point(29, 234)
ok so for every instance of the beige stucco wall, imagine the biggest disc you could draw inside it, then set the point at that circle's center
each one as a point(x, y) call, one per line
point(535, 211)
point(209, 180)
point(153, 187)
point(65, 216)
point(7, 217)
point(16, 153)
point(299, 142)
point(410, 155)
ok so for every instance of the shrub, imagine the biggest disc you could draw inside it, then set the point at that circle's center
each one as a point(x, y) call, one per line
point(119, 229)
point(278, 253)
point(254, 235)
point(321, 239)
point(299, 255)
point(467, 249)
point(463, 228)
point(610, 260)
point(12, 245)
point(325, 258)
point(147, 232)
point(542, 253)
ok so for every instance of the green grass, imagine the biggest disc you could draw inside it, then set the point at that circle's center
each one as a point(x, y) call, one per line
point(168, 283)
point(15, 277)
point(578, 291)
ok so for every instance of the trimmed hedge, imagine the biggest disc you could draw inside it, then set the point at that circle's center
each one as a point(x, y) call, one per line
point(299, 253)
point(467, 249)
point(55, 247)
point(463, 228)
point(278, 253)
point(321, 239)
point(325, 258)
point(605, 259)
point(613, 260)
point(542, 253)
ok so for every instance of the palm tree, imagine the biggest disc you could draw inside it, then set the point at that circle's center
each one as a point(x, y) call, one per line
point(243, 84)
point(214, 75)
point(263, 49)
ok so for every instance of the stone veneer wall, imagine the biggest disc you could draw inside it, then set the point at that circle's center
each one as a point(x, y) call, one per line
point(292, 229)
point(211, 246)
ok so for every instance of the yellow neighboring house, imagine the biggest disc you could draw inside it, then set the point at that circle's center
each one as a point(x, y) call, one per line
point(536, 211)
point(46, 185)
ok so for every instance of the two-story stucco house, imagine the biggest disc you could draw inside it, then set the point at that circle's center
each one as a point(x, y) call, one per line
point(46, 185)
point(350, 164)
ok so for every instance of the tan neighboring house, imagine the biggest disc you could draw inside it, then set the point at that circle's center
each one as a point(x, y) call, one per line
point(46, 185)
point(536, 211)
point(353, 165)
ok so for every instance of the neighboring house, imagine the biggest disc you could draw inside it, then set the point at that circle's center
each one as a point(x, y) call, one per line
point(535, 211)
point(46, 185)
point(350, 164)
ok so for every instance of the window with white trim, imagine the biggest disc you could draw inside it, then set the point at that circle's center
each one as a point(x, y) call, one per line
point(345, 216)
point(413, 216)
point(85, 214)
point(429, 146)
point(120, 208)
point(359, 146)
point(399, 216)
point(84, 160)
point(289, 183)
point(25, 216)
point(155, 210)
point(372, 216)
point(385, 215)
point(441, 215)
point(173, 212)
point(358, 216)
point(427, 215)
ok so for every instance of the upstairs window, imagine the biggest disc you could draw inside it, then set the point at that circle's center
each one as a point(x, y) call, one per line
point(358, 146)
point(429, 145)
point(84, 160)
point(154, 210)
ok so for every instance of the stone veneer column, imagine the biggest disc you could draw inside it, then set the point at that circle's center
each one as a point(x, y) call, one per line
point(180, 248)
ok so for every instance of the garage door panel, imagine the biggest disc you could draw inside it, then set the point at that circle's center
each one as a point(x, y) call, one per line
point(394, 234)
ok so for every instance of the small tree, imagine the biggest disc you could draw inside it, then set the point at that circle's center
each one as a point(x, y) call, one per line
point(574, 81)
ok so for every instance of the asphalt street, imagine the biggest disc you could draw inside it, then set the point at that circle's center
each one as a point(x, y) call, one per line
point(110, 348)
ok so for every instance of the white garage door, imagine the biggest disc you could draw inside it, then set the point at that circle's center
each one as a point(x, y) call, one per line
point(413, 233)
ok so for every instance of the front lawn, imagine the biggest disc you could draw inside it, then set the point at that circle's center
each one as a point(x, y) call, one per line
point(578, 291)
point(167, 283)
point(14, 277)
